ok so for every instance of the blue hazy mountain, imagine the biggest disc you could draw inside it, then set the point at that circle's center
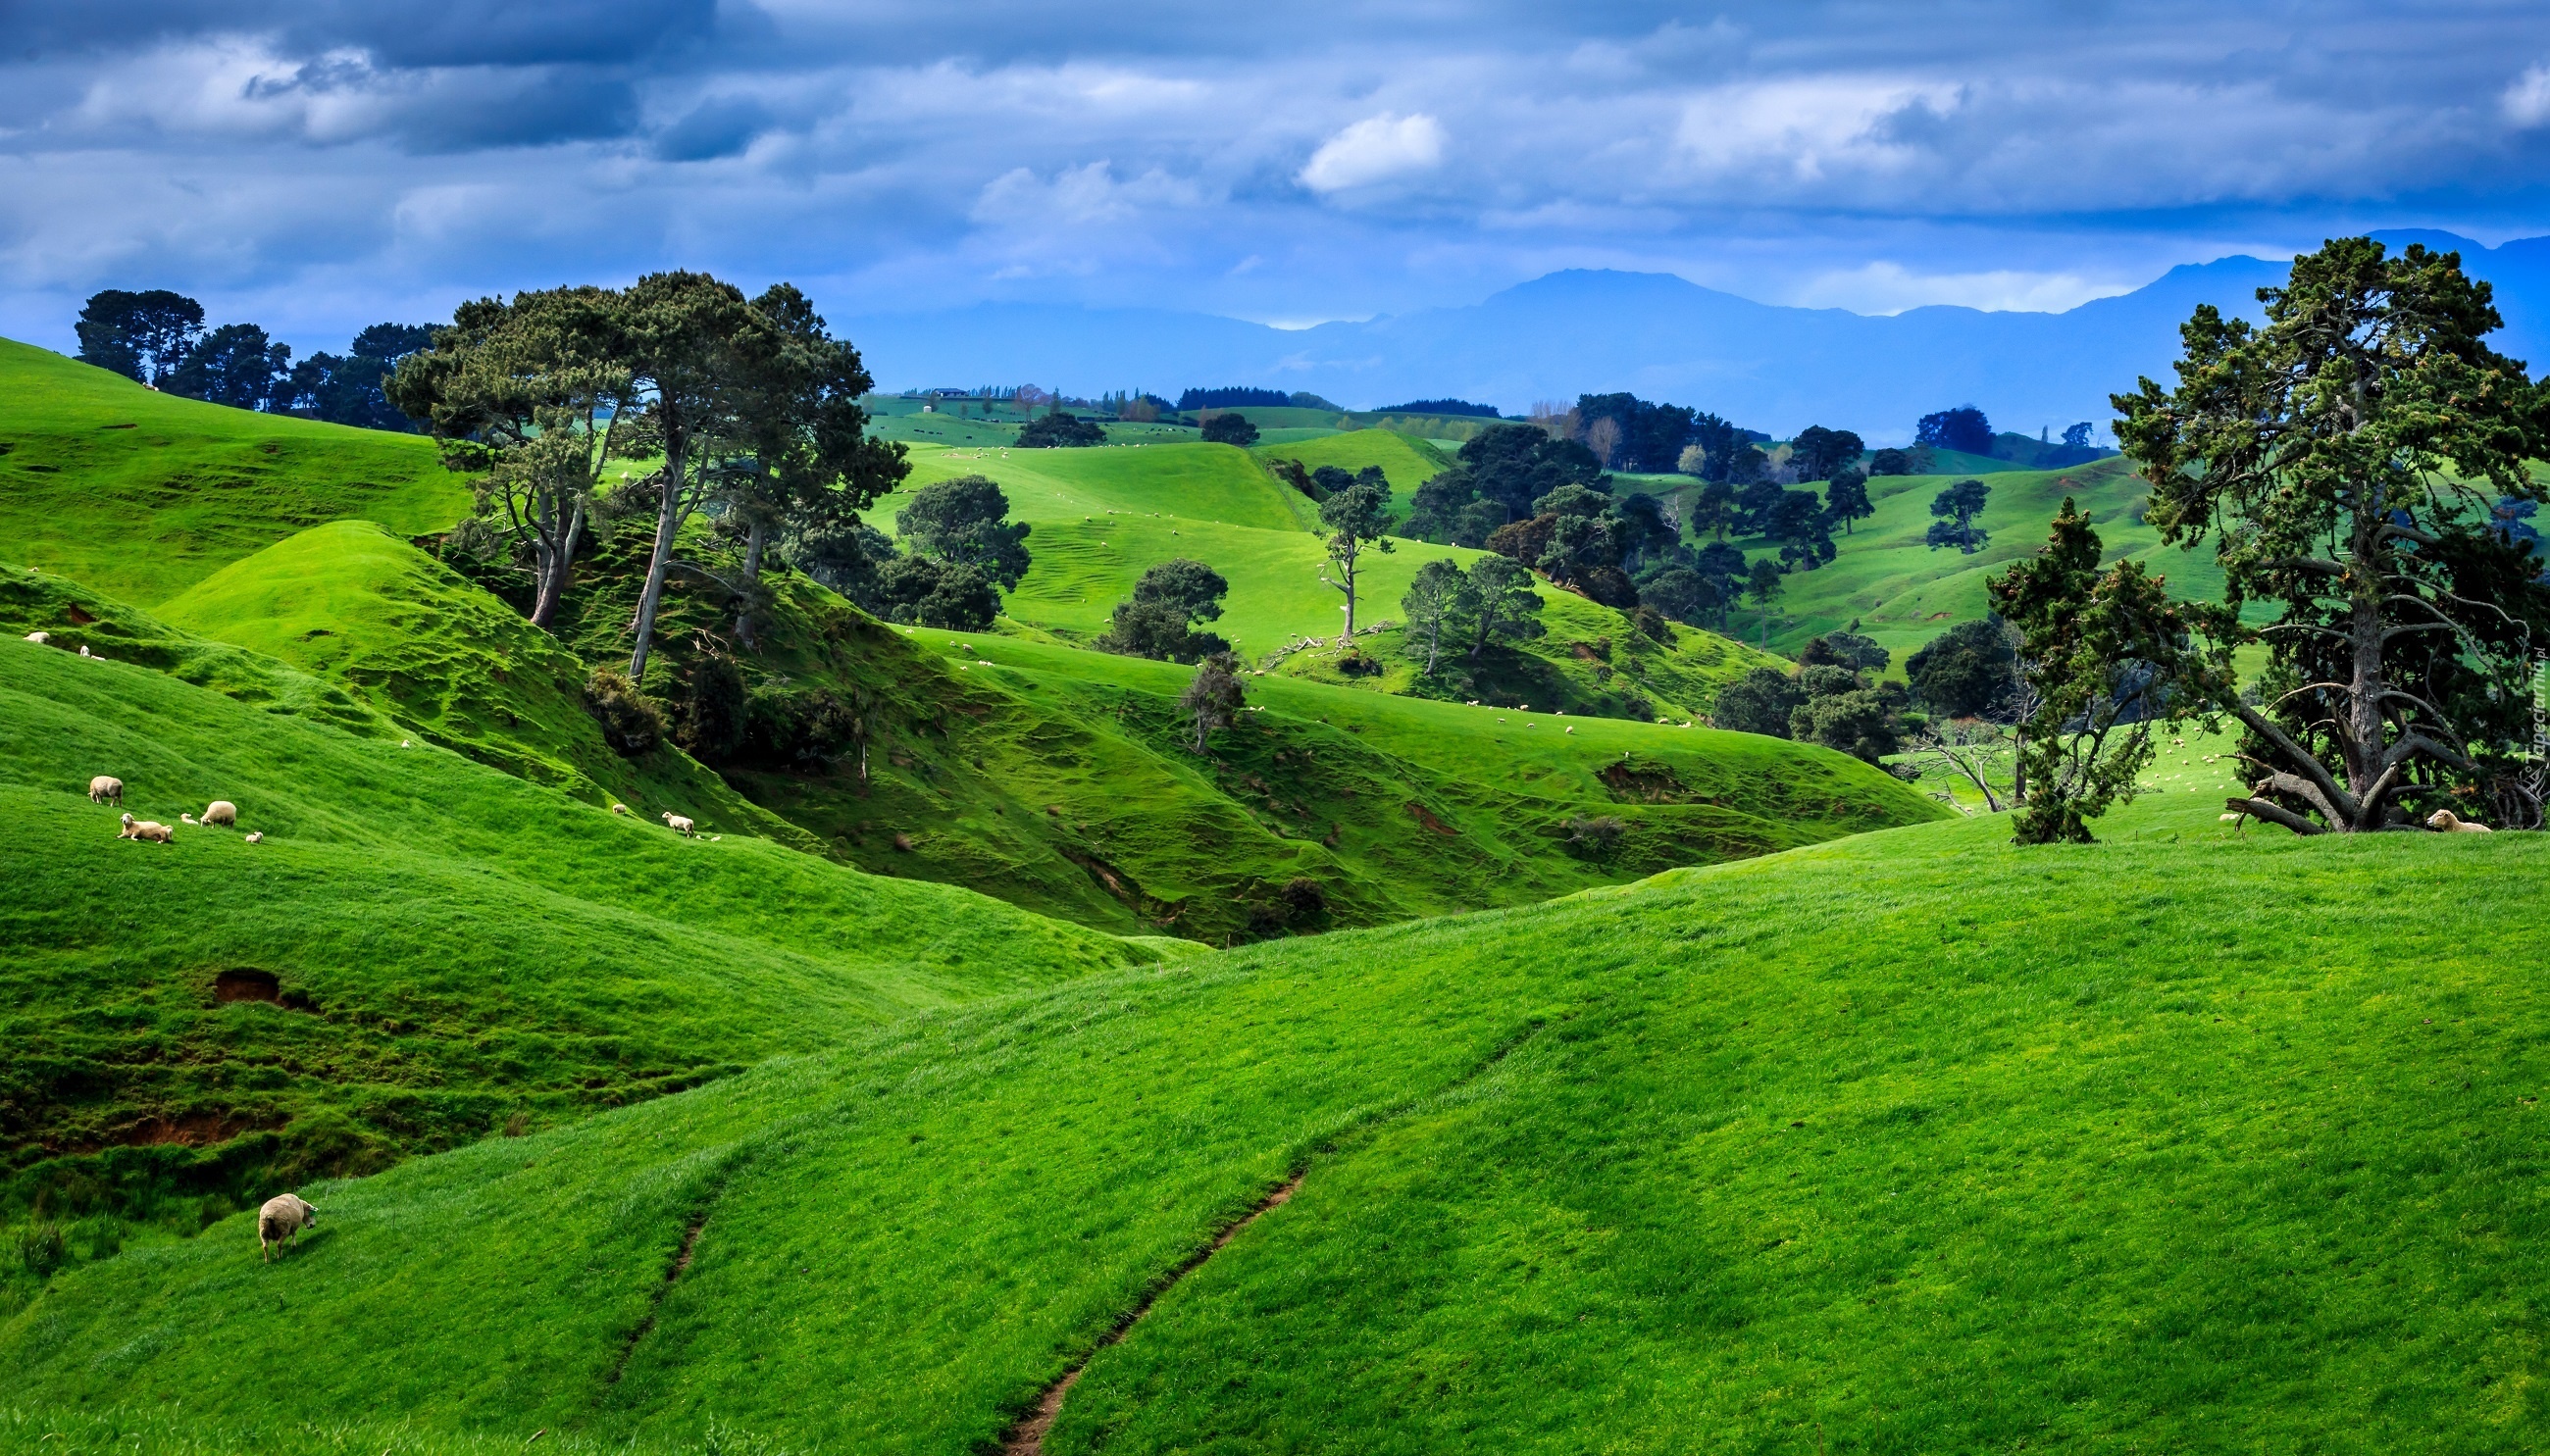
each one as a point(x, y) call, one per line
point(1578, 332)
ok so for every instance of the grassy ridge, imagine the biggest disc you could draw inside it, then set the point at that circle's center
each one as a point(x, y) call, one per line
point(1916, 1167)
point(450, 945)
point(141, 494)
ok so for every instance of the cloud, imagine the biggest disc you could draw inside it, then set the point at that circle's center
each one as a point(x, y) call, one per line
point(723, 127)
point(1375, 150)
point(1886, 287)
point(1078, 196)
point(2527, 103)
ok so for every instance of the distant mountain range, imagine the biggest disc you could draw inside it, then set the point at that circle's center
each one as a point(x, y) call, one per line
point(1581, 332)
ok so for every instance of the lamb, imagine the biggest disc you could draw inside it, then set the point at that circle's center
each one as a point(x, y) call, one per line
point(146, 830)
point(40, 637)
point(619, 809)
point(680, 825)
point(283, 1217)
point(105, 786)
point(253, 835)
point(221, 811)
point(2444, 821)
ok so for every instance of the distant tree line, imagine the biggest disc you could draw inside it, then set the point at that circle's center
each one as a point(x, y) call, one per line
point(1442, 407)
point(159, 338)
point(1238, 396)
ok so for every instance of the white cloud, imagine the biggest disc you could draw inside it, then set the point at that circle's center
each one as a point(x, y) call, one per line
point(1079, 196)
point(2527, 103)
point(1375, 150)
point(1807, 130)
point(1890, 288)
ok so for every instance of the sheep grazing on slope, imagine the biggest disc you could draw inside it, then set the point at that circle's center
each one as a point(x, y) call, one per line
point(680, 825)
point(146, 830)
point(40, 637)
point(283, 1217)
point(253, 835)
point(2446, 822)
point(221, 811)
point(105, 789)
point(618, 808)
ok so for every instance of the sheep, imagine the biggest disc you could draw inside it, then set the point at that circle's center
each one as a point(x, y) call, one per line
point(255, 837)
point(2444, 821)
point(680, 825)
point(221, 811)
point(283, 1217)
point(146, 830)
point(40, 637)
point(105, 786)
point(619, 809)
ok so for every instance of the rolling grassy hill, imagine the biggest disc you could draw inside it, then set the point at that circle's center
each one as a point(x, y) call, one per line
point(143, 494)
point(1913, 1141)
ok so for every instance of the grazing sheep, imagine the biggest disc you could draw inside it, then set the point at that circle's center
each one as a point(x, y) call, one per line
point(40, 637)
point(253, 835)
point(104, 788)
point(146, 830)
point(680, 825)
point(283, 1217)
point(619, 809)
point(221, 811)
point(2446, 822)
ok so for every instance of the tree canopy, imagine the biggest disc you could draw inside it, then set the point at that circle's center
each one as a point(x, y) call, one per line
point(1228, 428)
point(1061, 430)
point(1955, 509)
point(1964, 429)
point(1158, 622)
point(141, 336)
point(966, 521)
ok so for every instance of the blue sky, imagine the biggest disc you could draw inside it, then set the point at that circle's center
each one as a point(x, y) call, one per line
point(315, 167)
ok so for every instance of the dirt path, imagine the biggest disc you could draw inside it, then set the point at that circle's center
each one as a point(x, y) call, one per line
point(681, 1264)
point(1027, 1438)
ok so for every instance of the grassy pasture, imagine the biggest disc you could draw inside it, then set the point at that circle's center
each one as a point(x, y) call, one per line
point(1913, 1142)
point(143, 494)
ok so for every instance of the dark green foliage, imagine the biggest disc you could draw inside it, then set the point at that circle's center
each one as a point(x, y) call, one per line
point(1848, 713)
point(1437, 601)
point(1595, 836)
point(1763, 584)
point(705, 707)
point(1651, 435)
point(1891, 462)
point(1714, 511)
point(1232, 396)
point(1213, 697)
point(2347, 456)
point(1818, 453)
point(927, 593)
point(1799, 524)
point(140, 335)
point(1505, 608)
point(1061, 430)
point(1355, 518)
point(1230, 429)
point(1963, 429)
point(1435, 406)
point(965, 522)
point(1506, 466)
point(1158, 622)
point(1846, 650)
point(349, 388)
point(1955, 509)
point(233, 366)
point(2108, 658)
point(1846, 498)
point(1966, 671)
point(631, 723)
point(1760, 701)
point(1683, 595)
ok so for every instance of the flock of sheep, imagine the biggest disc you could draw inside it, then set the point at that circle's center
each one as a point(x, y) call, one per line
point(107, 789)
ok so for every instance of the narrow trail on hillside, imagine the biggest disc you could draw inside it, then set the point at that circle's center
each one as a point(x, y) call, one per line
point(681, 1264)
point(1027, 1438)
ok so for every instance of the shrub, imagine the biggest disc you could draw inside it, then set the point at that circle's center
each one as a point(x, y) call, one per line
point(632, 724)
point(1060, 431)
point(43, 1248)
point(1230, 430)
point(706, 708)
point(1596, 836)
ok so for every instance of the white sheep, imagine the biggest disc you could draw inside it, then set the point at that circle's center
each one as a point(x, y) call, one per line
point(283, 1217)
point(255, 835)
point(680, 825)
point(40, 637)
point(221, 811)
point(2446, 822)
point(621, 808)
point(145, 829)
point(105, 786)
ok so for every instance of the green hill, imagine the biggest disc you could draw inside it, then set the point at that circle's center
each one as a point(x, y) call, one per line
point(1998, 1147)
point(141, 494)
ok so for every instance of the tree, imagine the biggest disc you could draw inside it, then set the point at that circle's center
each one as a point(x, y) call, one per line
point(1059, 431)
point(799, 455)
point(1755, 502)
point(2109, 656)
point(1967, 671)
point(1891, 462)
point(1798, 523)
point(1508, 465)
point(1682, 594)
point(966, 519)
point(233, 366)
point(1846, 498)
point(1714, 510)
point(1214, 697)
point(1956, 508)
point(1723, 568)
point(1507, 604)
point(1963, 429)
point(1764, 586)
point(1228, 428)
point(1158, 622)
point(2345, 455)
point(1848, 714)
point(530, 397)
point(353, 388)
point(1356, 518)
point(677, 334)
point(2077, 437)
point(1818, 453)
point(955, 595)
point(1846, 650)
point(1435, 603)
point(141, 336)
point(1762, 701)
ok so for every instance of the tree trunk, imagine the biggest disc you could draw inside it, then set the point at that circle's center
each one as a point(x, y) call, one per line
point(752, 546)
point(668, 522)
point(556, 562)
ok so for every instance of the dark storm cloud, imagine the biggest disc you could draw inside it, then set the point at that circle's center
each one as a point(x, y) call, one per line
point(1352, 159)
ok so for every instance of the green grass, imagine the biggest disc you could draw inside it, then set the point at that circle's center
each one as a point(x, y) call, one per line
point(468, 944)
point(1406, 463)
point(141, 494)
point(1913, 1142)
